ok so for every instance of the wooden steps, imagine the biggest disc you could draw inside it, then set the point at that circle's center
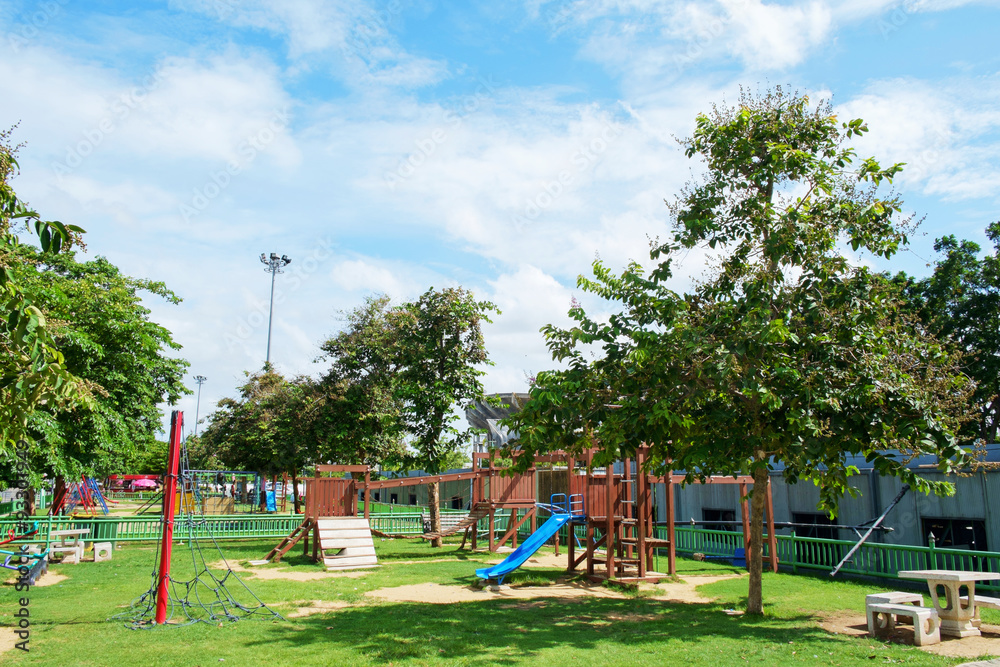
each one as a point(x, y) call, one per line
point(350, 538)
point(287, 543)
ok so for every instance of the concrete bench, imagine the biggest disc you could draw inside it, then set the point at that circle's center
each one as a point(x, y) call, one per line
point(896, 597)
point(72, 554)
point(882, 621)
point(981, 601)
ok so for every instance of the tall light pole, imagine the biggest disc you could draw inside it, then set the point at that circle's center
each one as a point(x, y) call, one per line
point(200, 380)
point(272, 265)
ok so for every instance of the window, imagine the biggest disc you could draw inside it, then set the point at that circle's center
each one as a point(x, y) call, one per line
point(819, 525)
point(956, 533)
point(456, 502)
point(413, 499)
point(393, 499)
point(729, 516)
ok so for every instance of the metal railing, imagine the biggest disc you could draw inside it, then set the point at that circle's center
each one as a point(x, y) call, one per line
point(794, 553)
point(822, 555)
point(222, 527)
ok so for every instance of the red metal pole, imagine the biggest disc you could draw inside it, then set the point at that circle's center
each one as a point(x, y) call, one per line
point(169, 493)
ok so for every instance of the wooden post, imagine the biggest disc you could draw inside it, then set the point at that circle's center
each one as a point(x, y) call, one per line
point(628, 495)
point(640, 512)
point(477, 497)
point(492, 505)
point(284, 491)
point(368, 479)
point(671, 532)
point(589, 503)
point(316, 554)
point(571, 542)
point(772, 539)
point(609, 505)
point(745, 517)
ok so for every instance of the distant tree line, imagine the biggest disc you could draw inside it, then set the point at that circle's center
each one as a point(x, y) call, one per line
point(396, 375)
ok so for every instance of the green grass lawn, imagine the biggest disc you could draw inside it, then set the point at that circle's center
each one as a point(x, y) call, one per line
point(70, 619)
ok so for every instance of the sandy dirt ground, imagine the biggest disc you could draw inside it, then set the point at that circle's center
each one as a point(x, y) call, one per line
point(48, 579)
point(966, 647)
point(438, 594)
point(310, 607)
point(286, 573)
point(7, 640)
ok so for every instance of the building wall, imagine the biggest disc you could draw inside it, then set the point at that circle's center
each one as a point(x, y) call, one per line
point(977, 497)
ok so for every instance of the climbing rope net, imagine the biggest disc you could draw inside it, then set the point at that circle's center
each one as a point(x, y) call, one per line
point(210, 594)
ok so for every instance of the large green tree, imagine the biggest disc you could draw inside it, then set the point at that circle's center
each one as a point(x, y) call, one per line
point(104, 331)
point(960, 301)
point(786, 353)
point(361, 421)
point(441, 354)
point(33, 373)
point(406, 369)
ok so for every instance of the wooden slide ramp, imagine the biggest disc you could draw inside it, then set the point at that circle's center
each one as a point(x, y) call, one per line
point(350, 540)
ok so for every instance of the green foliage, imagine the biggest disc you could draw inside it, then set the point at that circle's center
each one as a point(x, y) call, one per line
point(100, 325)
point(152, 460)
point(403, 370)
point(250, 433)
point(960, 301)
point(440, 348)
point(362, 420)
point(33, 373)
point(787, 353)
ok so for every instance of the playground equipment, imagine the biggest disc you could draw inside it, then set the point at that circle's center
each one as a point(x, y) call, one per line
point(612, 506)
point(206, 597)
point(79, 499)
point(561, 516)
point(351, 540)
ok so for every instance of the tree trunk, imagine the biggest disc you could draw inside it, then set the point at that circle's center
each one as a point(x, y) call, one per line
point(991, 421)
point(295, 488)
point(29, 501)
point(755, 596)
point(58, 496)
point(434, 500)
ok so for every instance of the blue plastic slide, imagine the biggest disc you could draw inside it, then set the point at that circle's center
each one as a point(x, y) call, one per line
point(527, 548)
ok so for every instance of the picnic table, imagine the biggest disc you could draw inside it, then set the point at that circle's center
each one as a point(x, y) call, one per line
point(956, 612)
point(69, 538)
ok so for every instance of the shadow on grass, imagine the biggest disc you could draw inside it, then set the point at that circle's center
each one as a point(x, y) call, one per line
point(515, 629)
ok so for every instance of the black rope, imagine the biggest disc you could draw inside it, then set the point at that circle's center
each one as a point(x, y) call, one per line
point(205, 598)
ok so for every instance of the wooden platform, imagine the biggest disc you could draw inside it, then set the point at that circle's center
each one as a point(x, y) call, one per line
point(350, 541)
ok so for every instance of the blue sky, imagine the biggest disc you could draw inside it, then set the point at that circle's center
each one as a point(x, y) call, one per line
point(394, 146)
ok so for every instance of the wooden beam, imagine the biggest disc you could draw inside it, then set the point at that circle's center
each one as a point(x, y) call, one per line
point(745, 517)
point(511, 530)
point(772, 539)
point(333, 468)
point(418, 481)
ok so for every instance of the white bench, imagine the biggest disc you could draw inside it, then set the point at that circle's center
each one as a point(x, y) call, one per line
point(882, 621)
point(70, 543)
point(896, 597)
point(981, 601)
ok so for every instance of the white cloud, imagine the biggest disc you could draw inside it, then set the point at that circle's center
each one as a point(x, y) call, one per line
point(947, 134)
point(357, 35)
point(646, 41)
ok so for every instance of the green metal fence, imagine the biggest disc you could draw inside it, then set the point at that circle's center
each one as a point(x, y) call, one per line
point(228, 527)
point(873, 559)
point(794, 553)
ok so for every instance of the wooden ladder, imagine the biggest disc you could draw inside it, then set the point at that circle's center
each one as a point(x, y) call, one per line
point(290, 541)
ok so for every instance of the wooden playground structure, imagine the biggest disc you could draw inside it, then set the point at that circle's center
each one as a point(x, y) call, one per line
point(615, 506)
